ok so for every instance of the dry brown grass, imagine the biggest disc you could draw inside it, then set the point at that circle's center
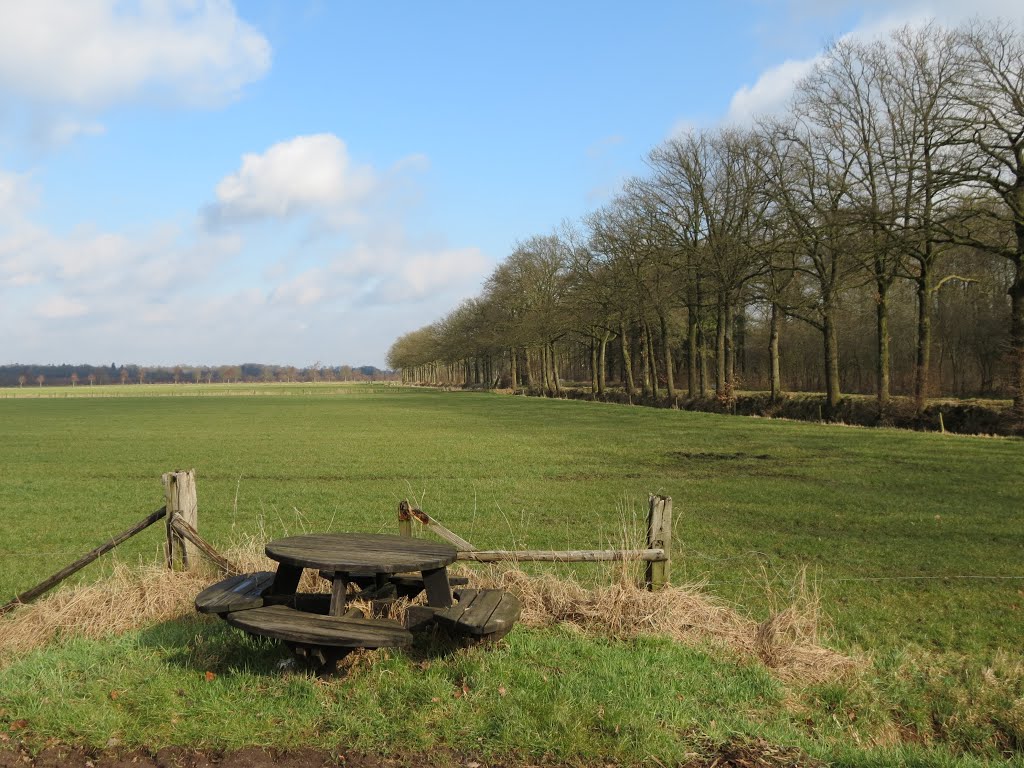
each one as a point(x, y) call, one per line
point(131, 597)
point(787, 642)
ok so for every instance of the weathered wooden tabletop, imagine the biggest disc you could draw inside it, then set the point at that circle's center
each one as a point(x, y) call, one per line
point(361, 553)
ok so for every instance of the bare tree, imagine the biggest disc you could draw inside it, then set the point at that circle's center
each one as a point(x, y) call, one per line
point(810, 184)
point(990, 211)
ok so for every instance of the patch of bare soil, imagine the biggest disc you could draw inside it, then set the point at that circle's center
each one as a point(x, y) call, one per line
point(750, 754)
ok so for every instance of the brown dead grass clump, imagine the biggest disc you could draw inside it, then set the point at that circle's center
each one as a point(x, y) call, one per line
point(787, 642)
point(131, 597)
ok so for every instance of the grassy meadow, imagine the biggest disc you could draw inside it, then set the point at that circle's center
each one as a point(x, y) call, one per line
point(914, 542)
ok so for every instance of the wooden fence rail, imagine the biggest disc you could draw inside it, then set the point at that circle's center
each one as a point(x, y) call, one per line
point(183, 543)
point(563, 556)
point(49, 583)
point(657, 555)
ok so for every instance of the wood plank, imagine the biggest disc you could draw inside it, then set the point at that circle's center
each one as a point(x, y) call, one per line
point(419, 617)
point(49, 583)
point(439, 591)
point(452, 538)
point(503, 618)
point(482, 613)
point(190, 534)
point(308, 602)
point(236, 593)
point(455, 613)
point(562, 556)
point(659, 536)
point(287, 580)
point(338, 590)
point(358, 553)
point(294, 626)
point(181, 500)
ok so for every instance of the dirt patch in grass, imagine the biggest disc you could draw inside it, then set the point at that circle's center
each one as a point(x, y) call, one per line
point(749, 754)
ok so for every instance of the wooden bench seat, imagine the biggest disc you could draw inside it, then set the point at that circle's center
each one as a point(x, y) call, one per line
point(237, 593)
point(481, 612)
point(292, 626)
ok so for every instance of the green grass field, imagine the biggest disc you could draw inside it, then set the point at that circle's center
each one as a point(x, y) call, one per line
point(914, 540)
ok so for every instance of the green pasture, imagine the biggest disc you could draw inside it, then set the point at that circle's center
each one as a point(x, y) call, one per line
point(915, 542)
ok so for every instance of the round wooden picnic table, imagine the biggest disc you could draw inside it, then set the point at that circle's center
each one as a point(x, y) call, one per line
point(345, 554)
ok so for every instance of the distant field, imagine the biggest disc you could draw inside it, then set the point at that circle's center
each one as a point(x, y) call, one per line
point(915, 540)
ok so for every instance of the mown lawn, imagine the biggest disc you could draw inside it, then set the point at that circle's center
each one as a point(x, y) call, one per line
point(915, 541)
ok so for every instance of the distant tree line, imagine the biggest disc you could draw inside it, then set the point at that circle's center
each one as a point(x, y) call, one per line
point(86, 375)
point(869, 240)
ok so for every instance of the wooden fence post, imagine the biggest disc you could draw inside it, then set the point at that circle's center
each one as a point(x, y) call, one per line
point(659, 536)
point(404, 518)
point(180, 492)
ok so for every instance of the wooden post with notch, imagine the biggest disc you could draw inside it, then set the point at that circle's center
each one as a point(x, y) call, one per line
point(180, 493)
point(404, 518)
point(659, 536)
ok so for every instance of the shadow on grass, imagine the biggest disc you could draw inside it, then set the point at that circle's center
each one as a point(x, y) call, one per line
point(204, 644)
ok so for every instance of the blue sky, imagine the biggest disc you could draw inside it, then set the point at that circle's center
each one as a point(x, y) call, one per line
point(201, 182)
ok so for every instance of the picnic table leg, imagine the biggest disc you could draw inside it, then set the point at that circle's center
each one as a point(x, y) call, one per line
point(338, 594)
point(439, 591)
point(286, 581)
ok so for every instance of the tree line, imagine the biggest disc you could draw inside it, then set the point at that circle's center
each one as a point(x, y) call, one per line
point(870, 239)
point(86, 375)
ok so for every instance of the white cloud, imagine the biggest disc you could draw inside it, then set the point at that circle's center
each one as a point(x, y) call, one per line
point(395, 271)
point(305, 175)
point(96, 53)
point(194, 294)
point(772, 90)
point(770, 93)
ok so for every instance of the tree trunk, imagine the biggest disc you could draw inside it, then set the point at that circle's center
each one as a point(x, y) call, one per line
point(653, 359)
point(545, 369)
point(773, 352)
point(666, 350)
point(924, 339)
point(720, 351)
point(513, 368)
point(627, 361)
point(528, 363)
point(1017, 329)
point(831, 343)
point(730, 351)
point(882, 368)
point(554, 371)
point(645, 363)
point(692, 351)
point(602, 364)
point(595, 387)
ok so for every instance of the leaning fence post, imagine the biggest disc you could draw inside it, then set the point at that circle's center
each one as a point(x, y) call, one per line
point(180, 492)
point(659, 536)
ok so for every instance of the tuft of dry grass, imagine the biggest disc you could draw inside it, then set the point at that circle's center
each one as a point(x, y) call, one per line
point(786, 642)
point(131, 597)
point(128, 598)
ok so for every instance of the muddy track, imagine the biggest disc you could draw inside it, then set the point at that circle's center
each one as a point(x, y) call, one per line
point(749, 755)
